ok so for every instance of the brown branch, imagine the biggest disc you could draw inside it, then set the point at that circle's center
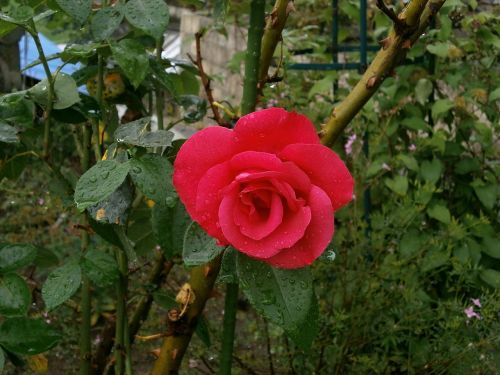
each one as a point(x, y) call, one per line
point(202, 280)
point(206, 80)
point(416, 17)
point(398, 23)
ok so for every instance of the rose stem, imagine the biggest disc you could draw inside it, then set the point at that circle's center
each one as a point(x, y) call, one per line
point(158, 90)
point(255, 32)
point(413, 20)
point(202, 279)
point(123, 360)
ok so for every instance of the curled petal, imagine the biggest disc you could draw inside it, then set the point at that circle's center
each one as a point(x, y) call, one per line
point(316, 238)
point(325, 169)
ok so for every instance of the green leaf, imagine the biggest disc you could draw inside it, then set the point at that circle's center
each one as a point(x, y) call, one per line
point(398, 184)
point(18, 15)
point(415, 123)
point(169, 81)
point(490, 277)
point(431, 170)
point(132, 59)
point(494, 95)
point(440, 107)
point(434, 259)
point(220, 10)
point(285, 297)
point(105, 21)
point(15, 256)
point(411, 243)
point(152, 174)
point(423, 90)
point(323, 86)
point(100, 267)
point(439, 48)
point(15, 296)
point(467, 165)
point(150, 16)
point(136, 133)
point(194, 107)
point(77, 9)
point(487, 195)
point(491, 246)
point(113, 209)
point(15, 109)
point(74, 52)
point(440, 213)
point(169, 226)
point(61, 284)
point(199, 248)
point(66, 92)
point(27, 336)
point(99, 182)
point(8, 134)
point(409, 161)
point(202, 331)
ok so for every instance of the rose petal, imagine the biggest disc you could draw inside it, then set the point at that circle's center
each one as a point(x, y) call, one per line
point(270, 130)
point(285, 235)
point(255, 227)
point(209, 197)
point(205, 149)
point(316, 238)
point(325, 169)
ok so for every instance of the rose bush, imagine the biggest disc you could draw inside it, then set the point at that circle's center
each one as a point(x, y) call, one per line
point(268, 187)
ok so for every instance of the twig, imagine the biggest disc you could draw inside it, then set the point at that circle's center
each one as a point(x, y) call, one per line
point(398, 23)
point(206, 80)
point(244, 366)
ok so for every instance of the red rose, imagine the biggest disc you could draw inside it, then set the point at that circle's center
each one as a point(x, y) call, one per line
point(268, 187)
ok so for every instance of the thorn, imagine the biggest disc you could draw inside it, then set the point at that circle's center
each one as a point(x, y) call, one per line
point(385, 43)
point(207, 271)
point(290, 8)
point(174, 353)
point(156, 352)
point(371, 82)
point(406, 44)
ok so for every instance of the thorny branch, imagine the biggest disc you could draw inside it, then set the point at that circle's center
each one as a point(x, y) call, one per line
point(206, 80)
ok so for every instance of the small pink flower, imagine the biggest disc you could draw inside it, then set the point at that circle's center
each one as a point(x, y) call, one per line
point(349, 143)
point(469, 311)
point(476, 302)
point(412, 147)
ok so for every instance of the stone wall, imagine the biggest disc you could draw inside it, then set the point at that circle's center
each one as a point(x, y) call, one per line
point(217, 50)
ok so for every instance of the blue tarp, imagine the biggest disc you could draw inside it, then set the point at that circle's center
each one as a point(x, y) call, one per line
point(29, 53)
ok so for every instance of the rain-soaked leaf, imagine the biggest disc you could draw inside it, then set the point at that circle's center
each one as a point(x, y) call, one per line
point(99, 182)
point(78, 9)
point(27, 336)
point(150, 16)
point(136, 133)
point(16, 255)
point(8, 134)
point(15, 296)
point(100, 267)
point(66, 92)
point(199, 247)
point(132, 59)
point(105, 21)
point(169, 226)
point(285, 297)
point(61, 284)
point(152, 174)
point(113, 209)
point(194, 108)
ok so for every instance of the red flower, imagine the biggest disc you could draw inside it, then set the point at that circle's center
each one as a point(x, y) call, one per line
point(268, 187)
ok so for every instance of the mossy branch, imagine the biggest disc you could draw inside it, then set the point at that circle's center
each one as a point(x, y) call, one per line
point(414, 19)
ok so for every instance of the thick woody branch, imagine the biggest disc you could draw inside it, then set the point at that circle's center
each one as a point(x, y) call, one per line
point(206, 81)
point(416, 17)
point(202, 279)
